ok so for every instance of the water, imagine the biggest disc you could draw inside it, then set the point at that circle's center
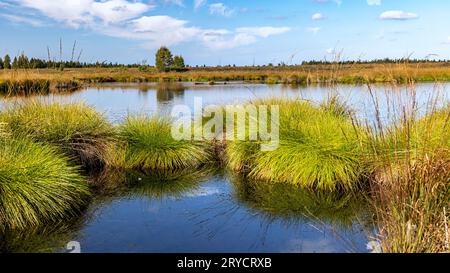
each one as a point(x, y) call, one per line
point(212, 211)
point(119, 100)
point(205, 211)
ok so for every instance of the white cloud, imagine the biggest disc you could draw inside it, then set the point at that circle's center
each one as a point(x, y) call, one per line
point(128, 19)
point(373, 2)
point(114, 11)
point(263, 32)
point(199, 3)
point(398, 15)
point(221, 9)
point(317, 16)
point(313, 30)
point(224, 39)
point(76, 13)
point(330, 51)
point(22, 20)
point(221, 41)
point(154, 31)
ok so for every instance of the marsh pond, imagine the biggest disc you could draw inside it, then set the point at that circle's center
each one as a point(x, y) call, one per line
point(210, 210)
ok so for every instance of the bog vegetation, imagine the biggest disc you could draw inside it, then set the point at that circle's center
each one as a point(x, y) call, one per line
point(403, 168)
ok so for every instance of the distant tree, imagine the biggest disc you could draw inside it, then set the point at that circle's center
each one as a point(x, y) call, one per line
point(163, 59)
point(22, 61)
point(15, 64)
point(1, 63)
point(7, 62)
point(178, 63)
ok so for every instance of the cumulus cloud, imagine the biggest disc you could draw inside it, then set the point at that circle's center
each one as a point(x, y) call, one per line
point(317, 16)
point(263, 32)
point(374, 2)
point(398, 15)
point(159, 30)
point(221, 9)
point(76, 13)
point(129, 20)
point(224, 39)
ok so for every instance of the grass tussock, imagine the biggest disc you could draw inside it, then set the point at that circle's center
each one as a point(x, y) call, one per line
point(411, 182)
point(335, 105)
point(24, 87)
point(318, 149)
point(146, 143)
point(3, 131)
point(37, 185)
point(412, 206)
point(77, 129)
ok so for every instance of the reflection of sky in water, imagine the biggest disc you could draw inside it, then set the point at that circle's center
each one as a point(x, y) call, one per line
point(118, 101)
point(208, 219)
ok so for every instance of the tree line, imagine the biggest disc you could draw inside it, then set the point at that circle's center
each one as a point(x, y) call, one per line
point(165, 62)
point(376, 61)
point(23, 62)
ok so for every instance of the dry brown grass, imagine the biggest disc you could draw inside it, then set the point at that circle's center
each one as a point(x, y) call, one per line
point(345, 73)
point(412, 206)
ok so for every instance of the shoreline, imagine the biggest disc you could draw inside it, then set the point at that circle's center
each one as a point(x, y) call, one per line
point(26, 80)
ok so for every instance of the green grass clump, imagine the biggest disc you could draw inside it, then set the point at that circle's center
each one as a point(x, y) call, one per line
point(37, 185)
point(336, 106)
point(3, 131)
point(411, 139)
point(410, 182)
point(147, 144)
point(77, 129)
point(317, 149)
point(24, 87)
point(432, 132)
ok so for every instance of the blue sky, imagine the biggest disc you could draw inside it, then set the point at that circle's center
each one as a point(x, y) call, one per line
point(225, 32)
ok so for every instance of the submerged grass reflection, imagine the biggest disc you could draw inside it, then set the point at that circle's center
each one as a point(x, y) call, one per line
point(293, 204)
point(157, 184)
point(47, 239)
